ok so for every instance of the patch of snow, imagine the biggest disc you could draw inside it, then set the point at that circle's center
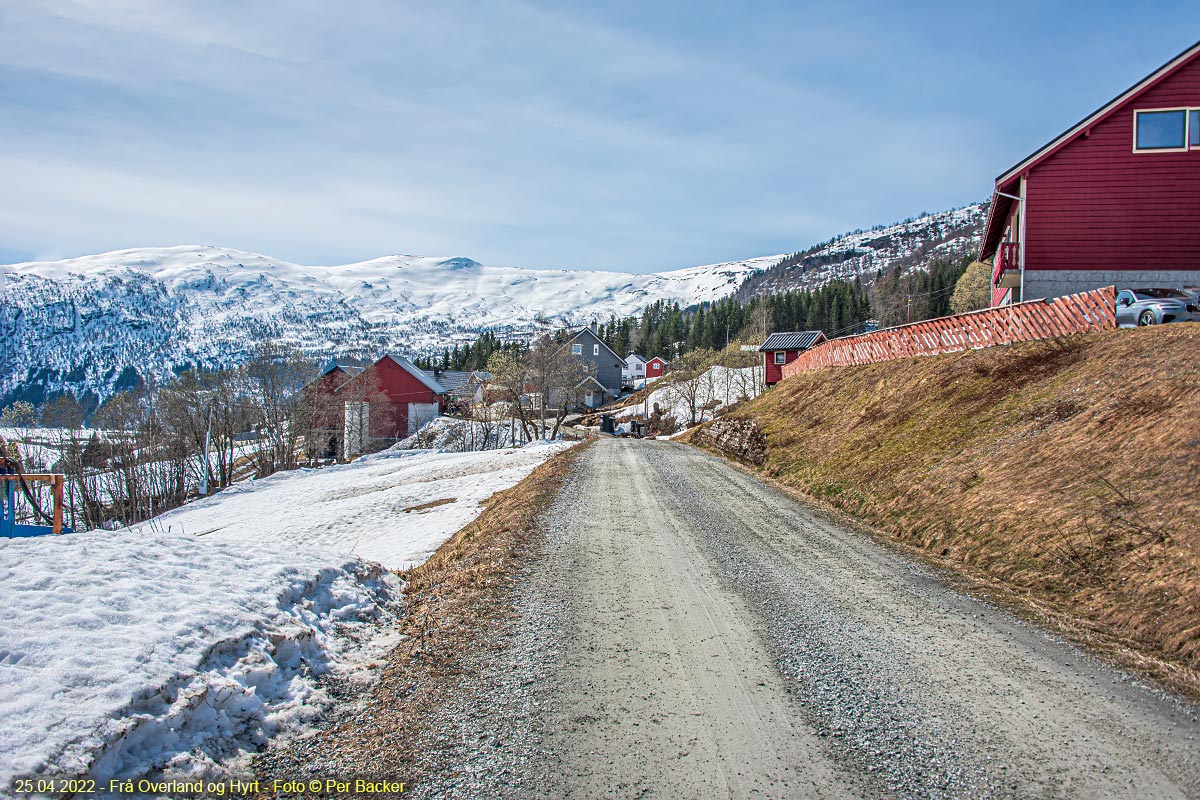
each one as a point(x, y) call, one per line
point(718, 388)
point(447, 434)
point(181, 644)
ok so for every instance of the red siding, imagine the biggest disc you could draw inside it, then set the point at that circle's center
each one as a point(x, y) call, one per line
point(774, 372)
point(654, 367)
point(390, 388)
point(1095, 204)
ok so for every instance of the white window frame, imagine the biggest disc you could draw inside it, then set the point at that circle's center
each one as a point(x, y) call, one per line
point(1187, 132)
point(780, 357)
point(577, 349)
point(595, 349)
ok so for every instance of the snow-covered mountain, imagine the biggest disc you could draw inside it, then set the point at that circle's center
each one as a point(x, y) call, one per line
point(99, 322)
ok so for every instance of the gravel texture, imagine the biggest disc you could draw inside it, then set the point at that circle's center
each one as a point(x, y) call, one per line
point(687, 631)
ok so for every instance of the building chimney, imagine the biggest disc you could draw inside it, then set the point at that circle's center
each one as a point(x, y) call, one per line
point(595, 328)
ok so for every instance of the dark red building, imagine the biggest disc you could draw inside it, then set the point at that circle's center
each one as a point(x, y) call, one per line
point(784, 348)
point(389, 400)
point(655, 367)
point(1115, 200)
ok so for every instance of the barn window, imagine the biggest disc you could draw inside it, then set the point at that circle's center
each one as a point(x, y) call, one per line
point(780, 357)
point(577, 349)
point(1161, 130)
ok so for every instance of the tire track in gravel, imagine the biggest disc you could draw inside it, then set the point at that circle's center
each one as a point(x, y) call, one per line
point(688, 631)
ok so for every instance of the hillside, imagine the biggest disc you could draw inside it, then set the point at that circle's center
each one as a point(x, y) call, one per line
point(1062, 474)
point(907, 245)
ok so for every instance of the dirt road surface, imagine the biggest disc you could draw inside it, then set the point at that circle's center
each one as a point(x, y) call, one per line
point(689, 632)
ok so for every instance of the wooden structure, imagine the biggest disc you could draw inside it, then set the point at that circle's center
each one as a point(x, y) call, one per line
point(1037, 319)
point(781, 349)
point(10, 479)
point(1113, 200)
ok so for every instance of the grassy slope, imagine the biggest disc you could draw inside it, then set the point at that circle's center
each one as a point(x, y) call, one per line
point(1067, 471)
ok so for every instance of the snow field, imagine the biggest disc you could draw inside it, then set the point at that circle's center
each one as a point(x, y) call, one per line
point(180, 645)
point(719, 387)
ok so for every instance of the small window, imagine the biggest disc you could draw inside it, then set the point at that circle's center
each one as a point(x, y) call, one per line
point(1194, 129)
point(577, 349)
point(595, 349)
point(1161, 130)
point(780, 357)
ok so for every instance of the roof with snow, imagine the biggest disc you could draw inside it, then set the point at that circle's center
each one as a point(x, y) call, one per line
point(349, 369)
point(792, 340)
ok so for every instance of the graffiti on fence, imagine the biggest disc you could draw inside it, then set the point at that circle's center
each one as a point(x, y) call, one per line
point(1036, 319)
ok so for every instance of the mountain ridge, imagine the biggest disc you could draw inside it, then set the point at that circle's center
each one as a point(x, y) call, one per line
point(96, 324)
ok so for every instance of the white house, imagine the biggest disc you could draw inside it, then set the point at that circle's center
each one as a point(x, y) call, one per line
point(634, 371)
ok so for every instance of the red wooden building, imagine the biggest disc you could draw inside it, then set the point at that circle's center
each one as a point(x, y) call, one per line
point(655, 367)
point(1115, 200)
point(388, 400)
point(784, 348)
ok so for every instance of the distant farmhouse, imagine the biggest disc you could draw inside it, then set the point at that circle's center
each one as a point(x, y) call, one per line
point(607, 367)
point(388, 400)
point(784, 348)
point(639, 368)
point(1115, 200)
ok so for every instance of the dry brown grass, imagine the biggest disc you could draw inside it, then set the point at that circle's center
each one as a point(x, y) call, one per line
point(1065, 472)
point(455, 604)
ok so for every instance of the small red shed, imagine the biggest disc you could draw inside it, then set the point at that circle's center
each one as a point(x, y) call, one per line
point(784, 348)
point(1115, 200)
point(655, 367)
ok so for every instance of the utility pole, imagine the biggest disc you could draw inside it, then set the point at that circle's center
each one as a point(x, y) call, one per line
point(205, 467)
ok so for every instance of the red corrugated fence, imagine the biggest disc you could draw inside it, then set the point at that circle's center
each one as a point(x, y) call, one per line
point(1036, 319)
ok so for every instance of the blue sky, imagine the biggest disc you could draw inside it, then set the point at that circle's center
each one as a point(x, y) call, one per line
point(616, 135)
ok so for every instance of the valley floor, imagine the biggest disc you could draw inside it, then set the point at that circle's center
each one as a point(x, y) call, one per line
point(684, 630)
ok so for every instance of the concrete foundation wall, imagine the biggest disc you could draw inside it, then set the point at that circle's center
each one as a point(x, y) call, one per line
point(1058, 282)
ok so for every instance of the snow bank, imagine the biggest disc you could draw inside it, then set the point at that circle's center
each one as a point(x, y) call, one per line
point(718, 388)
point(447, 434)
point(180, 644)
point(131, 650)
point(366, 508)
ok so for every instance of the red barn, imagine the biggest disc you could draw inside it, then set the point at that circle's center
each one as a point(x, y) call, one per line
point(1115, 200)
point(388, 400)
point(325, 407)
point(784, 348)
point(655, 367)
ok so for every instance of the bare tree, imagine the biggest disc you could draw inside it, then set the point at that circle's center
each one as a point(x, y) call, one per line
point(508, 383)
point(556, 375)
point(692, 383)
point(273, 381)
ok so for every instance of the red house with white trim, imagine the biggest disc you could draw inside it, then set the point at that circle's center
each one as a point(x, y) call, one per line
point(1115, 200)
point(783, 348)
point(655, 367)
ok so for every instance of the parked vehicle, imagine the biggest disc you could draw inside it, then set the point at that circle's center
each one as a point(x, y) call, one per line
point(1137, 307)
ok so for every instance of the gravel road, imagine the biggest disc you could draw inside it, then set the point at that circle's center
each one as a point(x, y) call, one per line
point(687, 631)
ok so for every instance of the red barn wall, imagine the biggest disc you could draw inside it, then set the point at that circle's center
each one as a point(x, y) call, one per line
point(397, 387)
point(773, 371)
